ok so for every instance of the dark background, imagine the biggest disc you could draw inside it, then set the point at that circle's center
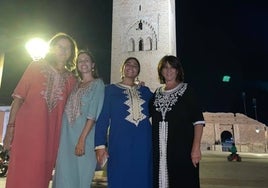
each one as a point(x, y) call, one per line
point(214, 38)
point(217, 38)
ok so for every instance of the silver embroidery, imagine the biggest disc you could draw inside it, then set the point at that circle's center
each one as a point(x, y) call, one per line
point(54, 86)
point(163, 135)
point(164, 100)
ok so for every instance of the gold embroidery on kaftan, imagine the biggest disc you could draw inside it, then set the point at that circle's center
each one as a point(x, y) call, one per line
point(134, 103)
point(74, 103)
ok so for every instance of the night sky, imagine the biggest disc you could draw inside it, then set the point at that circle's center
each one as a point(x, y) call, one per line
point(218, 38)
point(214, 38)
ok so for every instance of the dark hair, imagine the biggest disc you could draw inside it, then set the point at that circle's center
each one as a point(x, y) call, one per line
point(175, 63)
point(129, 58)
point(90, 55)
point(70, 65)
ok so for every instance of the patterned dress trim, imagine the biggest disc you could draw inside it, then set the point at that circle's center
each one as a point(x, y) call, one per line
point(164, 100)
point(163, 172)
point(54, 86)
point(134, 103)
point(74, 103)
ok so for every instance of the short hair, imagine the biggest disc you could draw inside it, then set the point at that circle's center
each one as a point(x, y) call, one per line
point(175, 63)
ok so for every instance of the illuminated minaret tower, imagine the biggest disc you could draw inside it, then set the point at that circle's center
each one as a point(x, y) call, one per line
point(145, 30)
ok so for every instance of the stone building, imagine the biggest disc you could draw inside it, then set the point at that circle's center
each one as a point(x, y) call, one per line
point(222, 129)
point(145, 30)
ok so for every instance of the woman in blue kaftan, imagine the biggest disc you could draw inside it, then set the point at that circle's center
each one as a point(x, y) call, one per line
point(123, 131)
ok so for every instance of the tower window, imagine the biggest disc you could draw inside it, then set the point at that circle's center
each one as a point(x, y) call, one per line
point(140, 25)
point(141, 45)
point(131, 45)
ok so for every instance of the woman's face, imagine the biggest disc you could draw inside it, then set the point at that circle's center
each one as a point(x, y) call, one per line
point(169, 73)
point(84, 63)
point(62, 50)
point(131, 69)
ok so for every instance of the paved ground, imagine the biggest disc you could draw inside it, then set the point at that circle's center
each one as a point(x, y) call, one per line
point(217, 172)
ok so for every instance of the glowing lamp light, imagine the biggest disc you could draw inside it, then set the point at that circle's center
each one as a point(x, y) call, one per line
point(37, 48)
point(226, 78)
point(257, 130)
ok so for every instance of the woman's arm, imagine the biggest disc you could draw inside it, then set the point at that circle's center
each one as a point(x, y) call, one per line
point(15, 106)
point(196, 151)
point(80, 146)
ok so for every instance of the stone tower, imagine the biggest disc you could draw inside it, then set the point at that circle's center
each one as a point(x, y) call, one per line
point(145, 30)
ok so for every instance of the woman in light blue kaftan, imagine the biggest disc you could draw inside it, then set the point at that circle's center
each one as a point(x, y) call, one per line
point(84, 104)
point(125, 114)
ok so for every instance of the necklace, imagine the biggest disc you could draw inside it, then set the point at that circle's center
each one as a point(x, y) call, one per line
point(128, 84)
point(85, 83)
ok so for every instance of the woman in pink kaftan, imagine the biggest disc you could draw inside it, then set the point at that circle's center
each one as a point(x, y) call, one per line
point(35, 118)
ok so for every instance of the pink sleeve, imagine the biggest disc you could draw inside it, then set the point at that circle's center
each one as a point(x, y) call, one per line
point(24, 83)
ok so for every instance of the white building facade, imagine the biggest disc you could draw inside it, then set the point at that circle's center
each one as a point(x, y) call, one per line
point(145, 30)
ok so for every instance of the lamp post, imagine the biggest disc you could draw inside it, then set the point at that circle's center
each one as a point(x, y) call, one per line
point(254, 102)
point(244, 102)
point(265, 129)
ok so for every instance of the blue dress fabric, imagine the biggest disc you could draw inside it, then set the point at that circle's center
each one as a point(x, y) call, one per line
point(125, 119)
point(74, 171)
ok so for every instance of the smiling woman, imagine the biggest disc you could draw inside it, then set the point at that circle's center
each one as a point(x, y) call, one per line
point(38, 102)
point(175, 103)
point(125, 119)
point(21, 20)
point(227, 37)
point(76, 161)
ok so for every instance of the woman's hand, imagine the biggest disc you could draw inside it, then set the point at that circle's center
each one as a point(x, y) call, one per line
point(196, 156)
point(15, 106)
point(80, 147)
point(8, 137)
point(102, 156)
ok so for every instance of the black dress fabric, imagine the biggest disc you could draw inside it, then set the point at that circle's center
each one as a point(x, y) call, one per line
point(179, 110)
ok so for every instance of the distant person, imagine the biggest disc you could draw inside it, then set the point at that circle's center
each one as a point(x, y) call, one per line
point(177, 123)
point(76, 162)
point(34, 124)
point(233, 149)
point(123, 131)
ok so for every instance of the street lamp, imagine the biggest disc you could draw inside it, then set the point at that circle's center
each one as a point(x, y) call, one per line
point(265, 129)
point(244, 102)
point(254, 102)
point(37, 48)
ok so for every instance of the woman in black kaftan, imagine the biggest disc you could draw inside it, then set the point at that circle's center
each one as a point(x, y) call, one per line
point(177, 124)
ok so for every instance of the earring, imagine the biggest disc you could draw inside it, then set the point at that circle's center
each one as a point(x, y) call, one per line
point(137, 81)
point(93, 69)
